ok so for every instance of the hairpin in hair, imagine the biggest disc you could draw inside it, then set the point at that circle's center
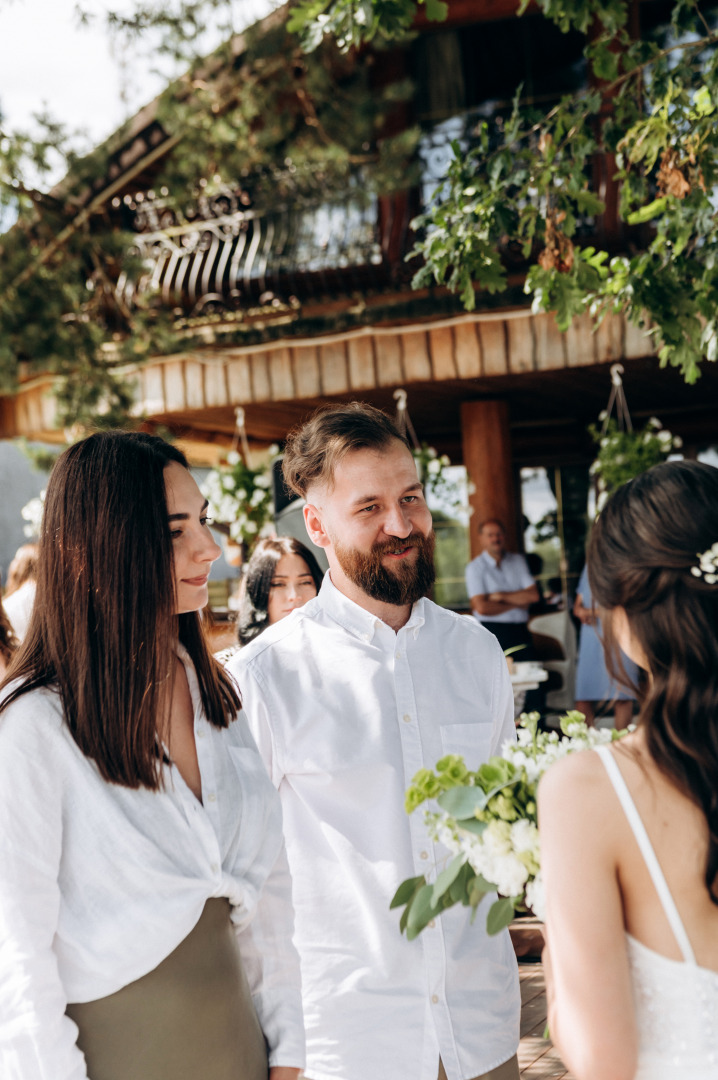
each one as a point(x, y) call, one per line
point(707, 565)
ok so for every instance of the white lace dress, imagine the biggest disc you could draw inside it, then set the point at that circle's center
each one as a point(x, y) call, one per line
point(676, 1001)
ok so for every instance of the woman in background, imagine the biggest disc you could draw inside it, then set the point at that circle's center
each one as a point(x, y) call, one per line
point(8, 642)
point(629, 833)
point(144, 895)
point(20, 589)
point(282, 574)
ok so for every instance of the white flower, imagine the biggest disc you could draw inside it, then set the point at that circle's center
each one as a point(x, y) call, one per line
point(654, 422)
point(434, 467)
point(233, 458)
point(251, 527)
point(677, 442)
point(535, 898)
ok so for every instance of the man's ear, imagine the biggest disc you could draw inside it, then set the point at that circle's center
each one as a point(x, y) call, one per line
point(315, 527)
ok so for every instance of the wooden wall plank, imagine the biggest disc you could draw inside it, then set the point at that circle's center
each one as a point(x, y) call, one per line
point(389, 368)
point(280, 374)
point(175, 396)
point(362, 374)
point(307, 383)
point(153, 391)
point(441, 343)
point(333, 367)
point(259, 368)
point(194, 383)
point(550, 343)
point(239, 379)
point(215, 383)
point(493, 346)
point(520, 344)
point(467, 350)
point(417, 364)
point(636, 342)
point(580, 342)
point(609, 339)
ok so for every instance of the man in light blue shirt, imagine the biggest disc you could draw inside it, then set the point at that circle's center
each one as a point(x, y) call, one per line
point(501, 589)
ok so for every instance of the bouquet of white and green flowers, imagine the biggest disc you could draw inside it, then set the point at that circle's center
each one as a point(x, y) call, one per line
point(488, 820)
point(240, 497)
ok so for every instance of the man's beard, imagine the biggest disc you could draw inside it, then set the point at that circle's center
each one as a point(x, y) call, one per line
point(404, 584)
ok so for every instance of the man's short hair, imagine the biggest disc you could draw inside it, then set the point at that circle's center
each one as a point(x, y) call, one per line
point(314, 449)
point(492, 521)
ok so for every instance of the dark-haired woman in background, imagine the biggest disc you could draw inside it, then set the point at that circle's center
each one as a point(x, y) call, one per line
point(144, 897)
point(632, 906)
point(281, 575)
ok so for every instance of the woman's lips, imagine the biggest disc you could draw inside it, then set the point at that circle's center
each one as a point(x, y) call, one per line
point(196, 580)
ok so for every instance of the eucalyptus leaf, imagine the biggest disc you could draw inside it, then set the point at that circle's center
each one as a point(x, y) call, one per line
point(446, 878)
point(501, 914)
point(462, 802)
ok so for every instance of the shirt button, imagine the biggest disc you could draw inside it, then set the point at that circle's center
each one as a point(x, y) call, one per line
point(406, 718)
point(366, 637)
point(214, 868)
point(211, 797)
point(435, 999)
point(398, 656)
point(424, 855)
point(201, 734)
point(431, 924)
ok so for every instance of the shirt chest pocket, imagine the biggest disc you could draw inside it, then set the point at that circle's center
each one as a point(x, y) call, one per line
point(471, 741)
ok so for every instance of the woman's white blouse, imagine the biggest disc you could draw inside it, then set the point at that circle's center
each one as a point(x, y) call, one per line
point(99, 882)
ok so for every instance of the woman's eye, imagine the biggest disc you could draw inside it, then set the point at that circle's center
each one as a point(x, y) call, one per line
point(175, 533)
point(277, 585)
point(206, 520)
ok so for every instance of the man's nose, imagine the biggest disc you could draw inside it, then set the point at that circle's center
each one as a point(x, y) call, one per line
point(397, 522)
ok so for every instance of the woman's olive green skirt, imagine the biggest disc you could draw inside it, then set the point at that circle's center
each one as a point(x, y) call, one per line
point(192, 1018)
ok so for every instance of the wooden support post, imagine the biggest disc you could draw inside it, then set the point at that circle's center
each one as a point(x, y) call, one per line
point(487, 456)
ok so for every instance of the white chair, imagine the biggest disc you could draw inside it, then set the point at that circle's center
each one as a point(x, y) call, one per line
point(554, 639)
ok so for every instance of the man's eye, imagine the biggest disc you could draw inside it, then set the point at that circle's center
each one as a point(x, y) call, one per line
point(365, 509)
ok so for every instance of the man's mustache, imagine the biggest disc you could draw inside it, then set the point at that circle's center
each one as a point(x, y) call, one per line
point(414, 539)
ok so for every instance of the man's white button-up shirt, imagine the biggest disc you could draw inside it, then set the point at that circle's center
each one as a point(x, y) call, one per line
point(345, 711)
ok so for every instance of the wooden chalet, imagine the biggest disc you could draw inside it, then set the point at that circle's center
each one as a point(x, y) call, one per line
point(293, 307)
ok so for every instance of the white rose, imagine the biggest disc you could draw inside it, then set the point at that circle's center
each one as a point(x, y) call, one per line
point(262, 481)
point(233, 458)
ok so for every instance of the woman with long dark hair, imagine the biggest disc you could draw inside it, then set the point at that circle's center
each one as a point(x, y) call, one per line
point(144, 896)
point(629, 834)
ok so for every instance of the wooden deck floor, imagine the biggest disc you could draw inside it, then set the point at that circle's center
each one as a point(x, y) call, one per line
point(538, 1060)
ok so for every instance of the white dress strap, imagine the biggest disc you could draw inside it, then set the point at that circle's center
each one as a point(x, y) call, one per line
point(649, 855)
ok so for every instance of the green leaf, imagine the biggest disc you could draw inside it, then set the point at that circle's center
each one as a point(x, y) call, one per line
point(421, 911)
point(473, 826)
point(436, 10)
point(459, 891)
point(501, 914)
point(447, 877)
point(647, 213)
point(406, 890)
point(462, 802)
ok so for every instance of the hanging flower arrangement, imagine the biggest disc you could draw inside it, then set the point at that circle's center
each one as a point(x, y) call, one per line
point(31, 514)
point(432, 472)
point(240, 497)
point(624, 454)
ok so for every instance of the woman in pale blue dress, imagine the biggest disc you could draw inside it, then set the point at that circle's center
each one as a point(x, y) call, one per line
point(629, 832)
point(593, 683)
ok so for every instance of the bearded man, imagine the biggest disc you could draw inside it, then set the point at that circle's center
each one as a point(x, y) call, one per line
point(348, 697)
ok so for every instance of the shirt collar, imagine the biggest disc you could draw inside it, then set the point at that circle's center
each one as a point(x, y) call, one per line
point(491, 560)
point(356, 619)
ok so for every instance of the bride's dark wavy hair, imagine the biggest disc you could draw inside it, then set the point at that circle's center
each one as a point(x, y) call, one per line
point(643, 546)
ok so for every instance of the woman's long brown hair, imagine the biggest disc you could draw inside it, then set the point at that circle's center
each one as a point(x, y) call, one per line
point(642, 549)
point(104, 629)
